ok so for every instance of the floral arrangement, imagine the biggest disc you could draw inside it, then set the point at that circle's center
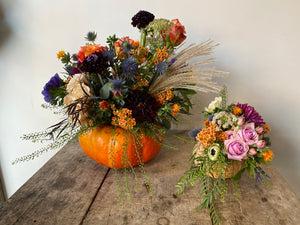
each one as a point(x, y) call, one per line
point(134, 85)
point(233, 140)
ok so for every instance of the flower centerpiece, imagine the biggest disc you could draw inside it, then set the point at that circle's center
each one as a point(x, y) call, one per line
point(120, 98)
point(233, 140)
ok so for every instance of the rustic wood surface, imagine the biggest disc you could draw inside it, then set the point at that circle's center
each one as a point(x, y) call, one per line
point(73, 189)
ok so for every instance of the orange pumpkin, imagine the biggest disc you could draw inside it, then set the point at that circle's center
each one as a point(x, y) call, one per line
point(118, 148)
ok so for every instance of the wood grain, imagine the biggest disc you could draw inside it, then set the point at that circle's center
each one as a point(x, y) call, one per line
point(73, 189)
point(59, 193)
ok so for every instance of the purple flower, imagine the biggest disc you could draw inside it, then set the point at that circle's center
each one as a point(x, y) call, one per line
point(250, 114)
point(75, 70)
point(261, 176)
point(142, 19)
point(129, 67)
point(172, 61)
point(236, 148)
point(53, 83)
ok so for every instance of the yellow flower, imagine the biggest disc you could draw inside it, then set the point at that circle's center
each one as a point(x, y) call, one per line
point(237, 111)
point(60, 54)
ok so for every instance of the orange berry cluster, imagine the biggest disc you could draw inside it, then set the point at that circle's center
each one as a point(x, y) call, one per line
point(266, 128)
point(176, 109)
point(140, 54)
point(161, 55)
point(142, 82)
point(67, 81)
point(162, 97)
point(209, 135)
point(123, 118)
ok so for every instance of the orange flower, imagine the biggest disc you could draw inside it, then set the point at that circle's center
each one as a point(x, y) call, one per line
point(87, 50)
point(237, 111)
point(162, 97)
point(141, 82)
point(209, 135)
point(206, 123)
point(104, 105)
point(161, 55)
point(123, 118)
point(268, 155)
point(118, 45)
point(176, 109)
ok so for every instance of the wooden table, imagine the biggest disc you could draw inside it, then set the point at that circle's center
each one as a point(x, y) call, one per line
point(73, 189)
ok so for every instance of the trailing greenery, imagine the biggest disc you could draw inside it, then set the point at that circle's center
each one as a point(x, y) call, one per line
point(232, 141)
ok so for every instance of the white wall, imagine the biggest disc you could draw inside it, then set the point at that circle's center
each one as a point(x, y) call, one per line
point(259, 46)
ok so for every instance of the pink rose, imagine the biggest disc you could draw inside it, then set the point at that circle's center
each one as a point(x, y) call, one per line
point(261, 144)
point(236, 149)
point(231, 134)
point(252, 151)
point(259, 130)
point(248, 134)
point(176, 35)
point(241, 121)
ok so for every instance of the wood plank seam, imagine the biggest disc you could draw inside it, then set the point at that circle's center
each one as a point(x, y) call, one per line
point(94, 198)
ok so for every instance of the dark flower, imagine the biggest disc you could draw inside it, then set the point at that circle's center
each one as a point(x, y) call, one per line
point(193, 133)
point(53, 83)
point(250, 114)
point(95, 63)
point(117, 86)
point(142, 105)
point(75, 69)
point(142, 19)
point(129, 67)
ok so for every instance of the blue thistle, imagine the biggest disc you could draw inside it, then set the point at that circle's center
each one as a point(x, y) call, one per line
point(109, 55)
point(117, 86)
point(161, 67)
point(193, 133)
point(129, 67)
point(126, 46)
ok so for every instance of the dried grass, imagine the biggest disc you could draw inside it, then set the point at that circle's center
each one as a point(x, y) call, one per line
point(185, 73)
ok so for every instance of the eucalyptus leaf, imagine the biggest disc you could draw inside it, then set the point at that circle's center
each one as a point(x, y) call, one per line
point(105, 91)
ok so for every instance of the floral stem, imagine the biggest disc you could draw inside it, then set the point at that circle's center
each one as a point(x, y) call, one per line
point(143, 37)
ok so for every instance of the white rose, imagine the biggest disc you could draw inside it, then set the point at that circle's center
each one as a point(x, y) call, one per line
point(214, 104)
